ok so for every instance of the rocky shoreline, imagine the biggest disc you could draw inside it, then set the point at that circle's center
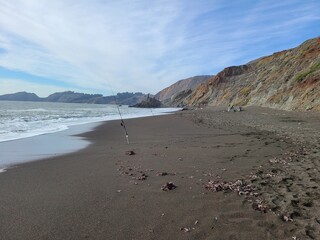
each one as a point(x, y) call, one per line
point(288, 185)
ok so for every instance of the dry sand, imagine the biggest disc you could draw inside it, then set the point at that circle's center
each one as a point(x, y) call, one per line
point(103, 193)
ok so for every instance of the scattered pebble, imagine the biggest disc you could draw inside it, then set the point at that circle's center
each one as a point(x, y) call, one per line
point(260, 207)
point(165, 174)
point(142, 177)
point(162, 174)
point(278, 160)
point(286, 218)
point(131, 152)
point(185, 229)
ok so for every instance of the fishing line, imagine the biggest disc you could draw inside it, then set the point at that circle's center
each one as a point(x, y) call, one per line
point(150, 107)
point(122, 121)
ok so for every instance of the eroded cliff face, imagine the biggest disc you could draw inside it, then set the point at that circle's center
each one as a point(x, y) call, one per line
point(183, 85)
point(287, 80)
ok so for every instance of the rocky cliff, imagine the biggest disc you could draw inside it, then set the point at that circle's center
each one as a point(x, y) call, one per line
point(287, 80)
point(167, 95)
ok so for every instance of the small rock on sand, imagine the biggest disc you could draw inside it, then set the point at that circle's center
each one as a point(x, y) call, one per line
point(168, 186)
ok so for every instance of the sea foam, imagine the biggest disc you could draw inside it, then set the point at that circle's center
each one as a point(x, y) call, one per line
point(26, 119)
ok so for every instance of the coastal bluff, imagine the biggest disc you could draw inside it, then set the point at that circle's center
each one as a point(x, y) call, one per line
point(177, 92)
point(288, 80)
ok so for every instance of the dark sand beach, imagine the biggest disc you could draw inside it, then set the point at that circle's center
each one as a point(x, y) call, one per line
point(101, 192)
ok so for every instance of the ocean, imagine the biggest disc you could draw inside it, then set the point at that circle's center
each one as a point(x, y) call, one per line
point(26, 119)
point(37, 130)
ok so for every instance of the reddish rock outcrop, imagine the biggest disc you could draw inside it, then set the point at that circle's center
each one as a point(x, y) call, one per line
point(171, 95)
point(287, 80)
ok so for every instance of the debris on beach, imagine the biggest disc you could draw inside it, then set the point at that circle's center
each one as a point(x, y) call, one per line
point(168, 186)
point(234, 108)
point(260, 207)
point(270, 175)
point(286, 218)
point(185, 229)
point(288, 157)
point(278, 160)
point(130, 152)
point(161, 174)
point(142, 177)
point(125, 171)
point(239, 186)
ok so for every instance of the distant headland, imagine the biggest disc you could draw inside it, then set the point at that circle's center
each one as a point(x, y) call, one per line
point(125, 98)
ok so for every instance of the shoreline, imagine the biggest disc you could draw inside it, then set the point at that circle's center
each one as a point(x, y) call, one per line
point(101, 193)
point(40, 147)
point(30, 149)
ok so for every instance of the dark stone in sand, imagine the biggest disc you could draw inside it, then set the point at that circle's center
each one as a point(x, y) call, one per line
point(168, 186)
point(308, 204)
point(130, 152)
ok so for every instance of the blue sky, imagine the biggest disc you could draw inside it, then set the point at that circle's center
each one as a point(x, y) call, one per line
point(140, 45)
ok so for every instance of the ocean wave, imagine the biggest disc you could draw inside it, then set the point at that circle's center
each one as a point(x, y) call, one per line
point(23, 122)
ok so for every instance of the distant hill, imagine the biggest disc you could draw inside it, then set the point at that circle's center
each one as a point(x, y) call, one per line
point(71, 97)
point(125, 98)
point(20, 96)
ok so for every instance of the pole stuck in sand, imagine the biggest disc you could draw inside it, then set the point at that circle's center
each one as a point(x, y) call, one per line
point(124, 126)
point(122, 121)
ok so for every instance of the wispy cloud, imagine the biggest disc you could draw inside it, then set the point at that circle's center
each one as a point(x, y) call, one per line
point(145, 45)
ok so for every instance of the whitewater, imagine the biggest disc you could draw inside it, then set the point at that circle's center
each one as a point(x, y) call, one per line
point(31, 131)
point(26, 119)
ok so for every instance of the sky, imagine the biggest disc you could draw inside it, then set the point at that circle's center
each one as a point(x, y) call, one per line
point(106, 46)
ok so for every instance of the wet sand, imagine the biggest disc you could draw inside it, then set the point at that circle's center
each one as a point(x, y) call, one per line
point(102, 193)
point(43, 146)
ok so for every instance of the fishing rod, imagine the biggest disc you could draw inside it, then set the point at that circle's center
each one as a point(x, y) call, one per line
point(122, 121)
point(123, 124)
